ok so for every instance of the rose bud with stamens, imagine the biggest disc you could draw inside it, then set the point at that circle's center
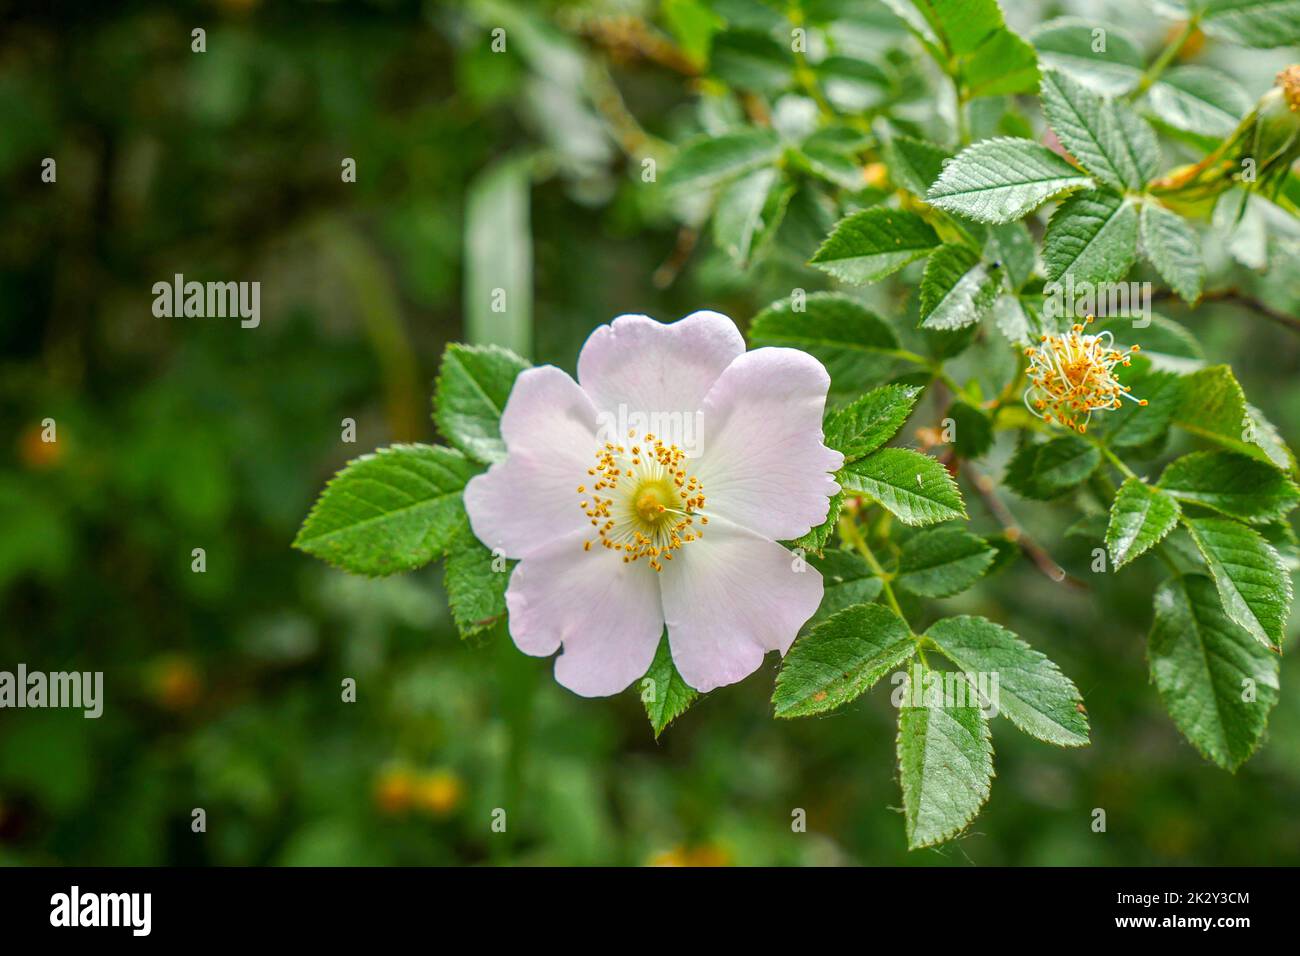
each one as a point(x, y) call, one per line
point(1073, 375)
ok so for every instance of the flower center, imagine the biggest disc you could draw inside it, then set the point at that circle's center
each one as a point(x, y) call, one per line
point(1073, 375)
point(643, 502)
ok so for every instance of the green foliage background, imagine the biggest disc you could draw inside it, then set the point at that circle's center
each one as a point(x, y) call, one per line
point(222, 688)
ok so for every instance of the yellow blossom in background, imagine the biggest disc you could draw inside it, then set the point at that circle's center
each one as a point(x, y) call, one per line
point(705, 855)
point(394, 790)
point(1073, 375)
point(35, 452)
point(175, 683)
point(438, 792)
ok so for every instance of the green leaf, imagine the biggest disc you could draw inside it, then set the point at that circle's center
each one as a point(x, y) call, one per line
point(867, 246)
point(1253, 584)
point(1232, 484)
point(748, 59)
point(1133, 425)
point(862, 426)
point(1043, 471)
point(815, 539)
point(831, 163)
point(1165, 343)
point(853, 343)
point(1031, 690)
point(1214, 407)
point(942, 562)
point(476, 589)
point(955, 26)
point(1200, 100)
point(915, 487)
point(1140, 517)
point(840, 659)
point(1091, 238)
point(715, 159)
point(914, 164)
point(1253, 23)
point(957, 289)
point(473, 385)
point(853, 85)
point(1003, 65)
point(693, 25)
point(663, 691)
point(1106, 136)
point(1174, 250)
point(846, 580)
point(999, 180)
point(394, 510)
point(972, 430)
point(1011, 246)
point(1203, 664)
point(945, 763)
point(738, 219)
point(1068, 45)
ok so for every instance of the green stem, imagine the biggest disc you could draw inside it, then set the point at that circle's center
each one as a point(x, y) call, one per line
point(1108, 486)
point(1154, 71)
point(1115, 460)
point(850, 533)
point(934, 367)
point(963, 121)
point(803, 72)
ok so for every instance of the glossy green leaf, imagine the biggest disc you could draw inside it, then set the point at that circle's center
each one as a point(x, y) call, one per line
point(1091, 238)
point(394, 510)
point(957, 289)
point(840, 659)
point(1071, 46)
point(999, 180)
point(1140, 517)
point(853, 343)
point(1174, 249)
point(914, 164)
point(715, 159)
point(915, 487)
point(942, 562)
point(1031, 691)
point(1253, 583)
point(1214, 407)
point(470, 394)
point(475, 581)
point(664, 693)
point(867, 246)
point(862, 426)
point(1200, 100)
point(945, 762)
point(1232, 484)
point(1216, 681)
point(1106, 136)
point(1043, 471)
point(846, 580)
point(1252, 23)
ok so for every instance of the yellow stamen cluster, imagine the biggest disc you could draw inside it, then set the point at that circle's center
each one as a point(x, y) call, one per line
point(643, 502)
point(1073, 375)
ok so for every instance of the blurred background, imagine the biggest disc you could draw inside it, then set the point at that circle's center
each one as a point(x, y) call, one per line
point(223, 688)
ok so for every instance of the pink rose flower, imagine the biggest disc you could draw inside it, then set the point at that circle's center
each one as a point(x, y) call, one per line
point(652, 492)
